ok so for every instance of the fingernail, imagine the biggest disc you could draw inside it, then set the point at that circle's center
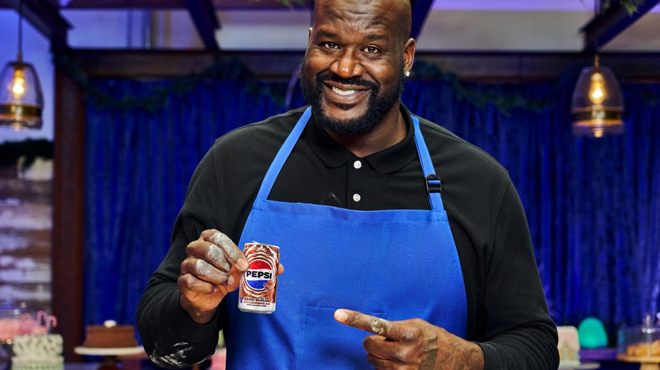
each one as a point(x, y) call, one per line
point(230, 281)
point(242, 264)
point(341, 315)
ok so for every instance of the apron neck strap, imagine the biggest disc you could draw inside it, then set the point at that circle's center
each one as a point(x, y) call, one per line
point(432, 181)
point(433, 184)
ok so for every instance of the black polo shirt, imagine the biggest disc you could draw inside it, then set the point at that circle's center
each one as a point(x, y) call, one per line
point(507, 313)
point(321, 171)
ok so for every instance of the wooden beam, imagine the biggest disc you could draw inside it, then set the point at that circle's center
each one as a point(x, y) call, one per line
point(206, 22)
point(180, 4)
point(44, 16)
point(170, 63)
point(420, 10)
point(473, 66)
point(68, 212)
point(603, 28)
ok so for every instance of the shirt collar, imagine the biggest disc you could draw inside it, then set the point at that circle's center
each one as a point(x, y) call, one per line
point(386, 161)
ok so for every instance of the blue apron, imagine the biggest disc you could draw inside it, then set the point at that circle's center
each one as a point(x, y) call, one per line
point(394, 264)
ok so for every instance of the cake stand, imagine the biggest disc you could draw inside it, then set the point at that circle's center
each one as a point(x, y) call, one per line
point(581, 366)
point(110, 355)
point(647, 363)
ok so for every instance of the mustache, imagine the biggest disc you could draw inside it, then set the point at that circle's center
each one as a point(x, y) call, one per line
point(329, 76)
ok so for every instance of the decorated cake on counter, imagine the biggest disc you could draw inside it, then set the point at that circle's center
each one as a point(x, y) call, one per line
point(110, 335)
point(568, 346)
point(37, 352)
point(640, 341)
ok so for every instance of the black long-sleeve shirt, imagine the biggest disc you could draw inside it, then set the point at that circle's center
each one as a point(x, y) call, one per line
point(507, 312)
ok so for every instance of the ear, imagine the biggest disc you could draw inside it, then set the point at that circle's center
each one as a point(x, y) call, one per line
point(409, 54)
point(309, 39)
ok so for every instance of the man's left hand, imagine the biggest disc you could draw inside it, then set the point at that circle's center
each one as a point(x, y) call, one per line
point(412, 344)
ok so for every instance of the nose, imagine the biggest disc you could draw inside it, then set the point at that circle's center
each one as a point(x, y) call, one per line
point(347, 65)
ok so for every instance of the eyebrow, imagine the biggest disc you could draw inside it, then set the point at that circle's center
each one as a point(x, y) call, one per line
point(327, 34)
point(370, 37)
point(374, 37)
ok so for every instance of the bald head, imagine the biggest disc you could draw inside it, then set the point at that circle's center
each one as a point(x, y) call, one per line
point(392, 14)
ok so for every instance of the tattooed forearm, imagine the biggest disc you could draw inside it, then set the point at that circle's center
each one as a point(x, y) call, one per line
point(461, 354)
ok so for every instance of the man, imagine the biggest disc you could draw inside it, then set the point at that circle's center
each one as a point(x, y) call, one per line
point(378, 274)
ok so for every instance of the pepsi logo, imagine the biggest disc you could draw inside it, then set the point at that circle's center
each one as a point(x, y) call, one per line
point(259, 273)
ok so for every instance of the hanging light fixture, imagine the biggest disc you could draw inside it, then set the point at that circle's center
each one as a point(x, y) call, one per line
point(597, 104)
point(21, 100)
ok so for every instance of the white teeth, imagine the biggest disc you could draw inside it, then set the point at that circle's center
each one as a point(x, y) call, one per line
point(343, 92)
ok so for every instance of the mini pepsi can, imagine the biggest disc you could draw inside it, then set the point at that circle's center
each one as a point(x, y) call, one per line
point(257, 291)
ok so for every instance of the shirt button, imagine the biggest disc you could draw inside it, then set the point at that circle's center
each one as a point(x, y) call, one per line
point(357, 165)
point(356, 197)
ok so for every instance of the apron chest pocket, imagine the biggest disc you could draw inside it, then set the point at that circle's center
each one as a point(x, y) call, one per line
point(324, 343)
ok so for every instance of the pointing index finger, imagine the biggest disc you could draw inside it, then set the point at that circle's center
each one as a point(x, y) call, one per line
point(373, 324)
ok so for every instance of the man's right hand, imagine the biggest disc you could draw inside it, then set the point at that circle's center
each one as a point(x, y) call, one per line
point(212, 269)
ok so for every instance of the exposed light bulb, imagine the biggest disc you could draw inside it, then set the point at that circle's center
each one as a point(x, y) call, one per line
point(18, 83)
point(597, 89)
point(597, 94)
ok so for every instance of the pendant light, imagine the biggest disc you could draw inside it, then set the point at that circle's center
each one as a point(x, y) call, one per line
point(597, 104)
point(21, 100)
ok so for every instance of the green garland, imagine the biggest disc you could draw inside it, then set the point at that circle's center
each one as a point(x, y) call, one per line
point(234, 69)
point(10, 152)
point(480, 99)
point(157, 99)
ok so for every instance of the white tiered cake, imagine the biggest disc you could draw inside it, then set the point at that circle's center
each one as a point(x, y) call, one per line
point(568, 346)
point(37, 352)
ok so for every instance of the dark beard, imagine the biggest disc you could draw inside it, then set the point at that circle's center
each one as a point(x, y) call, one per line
point(377, 105)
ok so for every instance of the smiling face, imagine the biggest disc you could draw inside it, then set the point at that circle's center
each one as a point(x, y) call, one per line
point(353, 70)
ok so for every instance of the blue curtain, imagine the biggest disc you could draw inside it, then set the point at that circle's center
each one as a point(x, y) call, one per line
point(593, 204)
point(137, 169)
